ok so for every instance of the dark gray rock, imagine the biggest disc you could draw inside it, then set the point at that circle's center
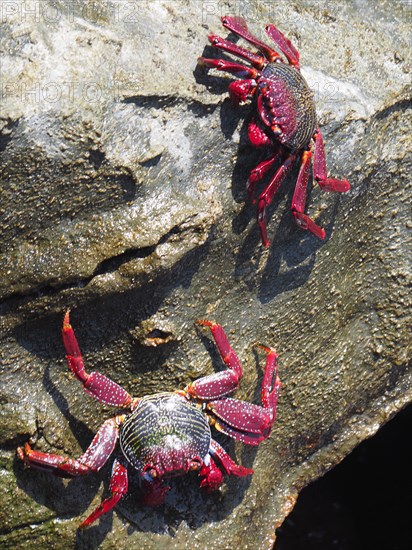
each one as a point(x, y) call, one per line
point(123, 181)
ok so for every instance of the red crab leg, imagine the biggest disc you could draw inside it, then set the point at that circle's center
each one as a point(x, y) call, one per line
point(259, 173)
point(238, 26)
point(234, 68)
point(118, 488)
point(299, 199)
point(221, 383)
point(229, 465)
point(254, 59)
point(96, 384)
point(243, 421)
point(320, 170)
point(92, 460)
point(271, 384)
point(284, 44)
point(267, 196)
point(247, 422)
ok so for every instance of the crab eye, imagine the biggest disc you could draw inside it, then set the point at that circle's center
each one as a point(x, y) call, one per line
point(150, 474)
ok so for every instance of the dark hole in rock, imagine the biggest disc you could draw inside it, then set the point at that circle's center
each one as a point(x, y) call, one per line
point(364, 502)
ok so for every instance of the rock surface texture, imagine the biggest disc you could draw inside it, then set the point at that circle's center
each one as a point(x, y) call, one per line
point(123, 196)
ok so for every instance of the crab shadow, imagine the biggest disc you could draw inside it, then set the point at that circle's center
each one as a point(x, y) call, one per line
point(95, 329)
point(292, 252)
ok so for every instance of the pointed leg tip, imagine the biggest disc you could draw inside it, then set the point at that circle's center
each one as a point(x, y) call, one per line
point(203, 62)
point(304, 222)
point(66, 319)
point(233, 19)
point(87, 522)
point(266, 349)
point(241, 471)
point(205, 323)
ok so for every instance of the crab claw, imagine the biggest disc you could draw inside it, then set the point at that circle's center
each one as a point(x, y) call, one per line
point(241, 90)
point(212, 477)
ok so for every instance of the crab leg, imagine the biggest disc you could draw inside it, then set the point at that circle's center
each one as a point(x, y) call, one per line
point(267, 196)
point(271, 384)
point(221, 383)
point(118, 488)
point(92, 460)
point(299, 199)
point(229, 66)
point(247, 422)
point(96, 384)
point(259, 173)
point(320, 170)
point(229, 465)
point(284, 44)
point(254, 59)
point(238, 26)
point(243, 421)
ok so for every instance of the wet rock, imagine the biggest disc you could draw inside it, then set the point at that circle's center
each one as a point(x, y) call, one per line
point(123, 196)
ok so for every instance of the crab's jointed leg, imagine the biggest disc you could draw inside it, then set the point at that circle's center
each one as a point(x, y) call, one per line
point(244, 421)
point(254, 59)
point(229, 66)
point(267, 196)
point(238, 26)
point(96, 384)
point(271, 384)
point(118, 488)
point(228, 464)
point(259, 173)
point(299, 199)
point(94, 458)
point(320, 171)
point(284, 44)
point(221, 383)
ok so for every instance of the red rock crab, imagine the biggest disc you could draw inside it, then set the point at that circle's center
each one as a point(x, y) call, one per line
point(285, 122)
point(166, 434)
